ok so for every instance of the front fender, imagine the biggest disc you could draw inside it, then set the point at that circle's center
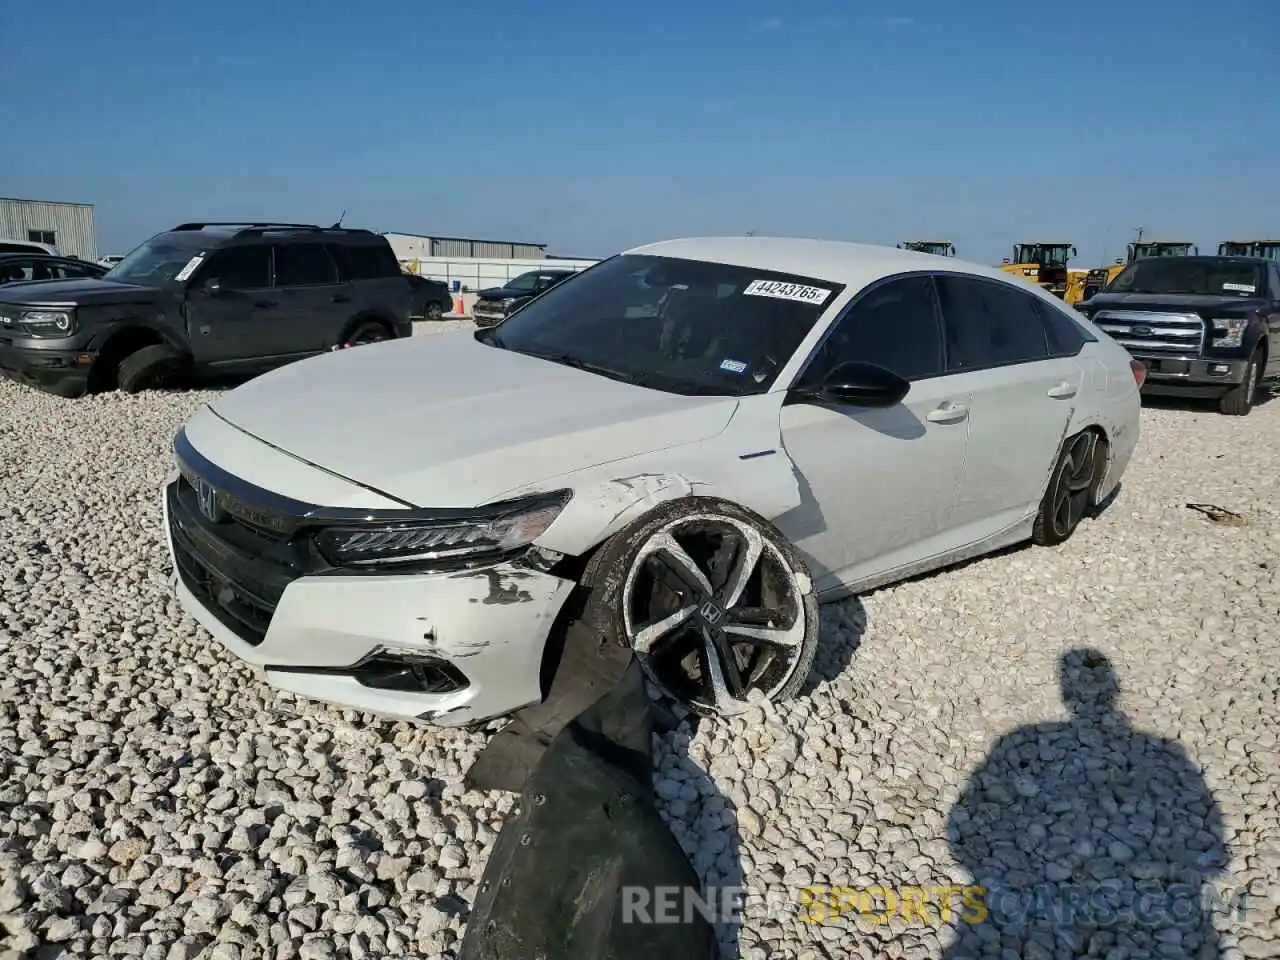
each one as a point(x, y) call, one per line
point(153, 321)
point(745, 463)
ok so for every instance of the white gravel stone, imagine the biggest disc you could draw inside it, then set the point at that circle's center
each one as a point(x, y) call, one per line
point(156, 800)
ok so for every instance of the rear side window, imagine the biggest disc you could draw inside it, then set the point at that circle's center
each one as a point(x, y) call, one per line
point(303, 265)
point(989, 324)
point(365, 262)
point(239, 268)
point(1064, 335)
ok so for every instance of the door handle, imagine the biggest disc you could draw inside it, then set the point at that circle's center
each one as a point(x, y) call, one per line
point(1063, 390)
point(948, 412)
point(264, 304)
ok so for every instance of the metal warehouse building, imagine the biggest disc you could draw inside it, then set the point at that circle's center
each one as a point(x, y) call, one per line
point(67, 226)
point(410, 246)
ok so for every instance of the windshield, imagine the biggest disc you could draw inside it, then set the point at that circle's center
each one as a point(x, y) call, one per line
point(526, 281)
point(1052, 255)
point(683, 326)
point(1200, 276)
point(161, 261)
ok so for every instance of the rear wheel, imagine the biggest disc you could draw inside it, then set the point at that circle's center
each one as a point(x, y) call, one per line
point(150, 368)
point(370, 331)
point(1239, 400)
point(713, 600)
point(1073, 488)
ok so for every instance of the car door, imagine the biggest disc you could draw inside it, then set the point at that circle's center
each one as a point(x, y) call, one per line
point(1021, 398)
point(878, 484)
point(231, 310)
point(314, 304)
point(1273, 322)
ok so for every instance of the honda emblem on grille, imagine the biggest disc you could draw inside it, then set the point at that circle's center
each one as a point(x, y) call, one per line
point(1141, 330)
point(207, 499)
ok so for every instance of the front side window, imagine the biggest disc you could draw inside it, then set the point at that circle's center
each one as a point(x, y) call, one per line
point(303, 265)
point(894, 326)
point(1192, 276)
point(988, 324)
point(683, 326)
point(239, 268)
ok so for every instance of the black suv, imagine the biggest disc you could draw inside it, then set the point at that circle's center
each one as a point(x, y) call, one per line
point(494, 304)
point(205, 298)
point(1203, 326)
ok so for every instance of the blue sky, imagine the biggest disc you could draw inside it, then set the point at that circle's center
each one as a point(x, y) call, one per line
point(595, 126)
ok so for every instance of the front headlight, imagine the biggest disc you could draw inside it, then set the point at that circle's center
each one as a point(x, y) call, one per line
point(1229, 332)
point(508, 528)
point(48, 323)
point(508, 303)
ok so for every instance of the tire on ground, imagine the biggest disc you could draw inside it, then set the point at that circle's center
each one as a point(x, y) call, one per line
point(605, 577)
point(373, 330)
point(148, 367)
point(1044, 532)
point(1238, 401)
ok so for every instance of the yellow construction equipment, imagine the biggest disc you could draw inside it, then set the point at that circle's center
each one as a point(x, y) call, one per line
point(940, 248)
point(1044, 263)
point(1270, 249)
point(1140, 249)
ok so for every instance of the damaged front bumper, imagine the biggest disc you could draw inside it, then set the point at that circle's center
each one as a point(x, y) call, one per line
point(448, 648)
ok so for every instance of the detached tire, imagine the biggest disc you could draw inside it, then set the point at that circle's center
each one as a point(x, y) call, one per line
point(435, 311)
point(149, 368)
point(713, 600)
point(1239, 400)
point(1073, 487)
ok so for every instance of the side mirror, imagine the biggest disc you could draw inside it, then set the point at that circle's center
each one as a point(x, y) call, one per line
point(212, 286)
point(861, 385)
point(1073, 251)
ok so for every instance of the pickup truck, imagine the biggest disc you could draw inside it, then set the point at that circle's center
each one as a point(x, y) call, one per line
point(1203, 326)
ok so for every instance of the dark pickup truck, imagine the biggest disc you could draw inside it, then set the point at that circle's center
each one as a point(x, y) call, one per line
point(495, 304)
point(1203, 326)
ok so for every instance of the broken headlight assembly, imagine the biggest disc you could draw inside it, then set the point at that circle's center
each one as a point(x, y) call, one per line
point(485, 536)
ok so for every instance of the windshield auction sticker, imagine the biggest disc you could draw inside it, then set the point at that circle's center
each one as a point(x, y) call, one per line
point(1240, 287)
point(186, 272)
point(787, 291)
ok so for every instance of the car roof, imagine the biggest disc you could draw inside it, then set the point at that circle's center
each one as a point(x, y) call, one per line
point(852, 264)
point(40, 255)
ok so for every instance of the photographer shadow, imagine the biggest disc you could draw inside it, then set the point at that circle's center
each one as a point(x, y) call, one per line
point(1090, 838)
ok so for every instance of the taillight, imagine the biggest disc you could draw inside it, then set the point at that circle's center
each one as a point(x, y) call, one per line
point(1139, 372)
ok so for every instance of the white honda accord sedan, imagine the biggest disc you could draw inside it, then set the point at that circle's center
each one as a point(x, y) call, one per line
point(685, 447)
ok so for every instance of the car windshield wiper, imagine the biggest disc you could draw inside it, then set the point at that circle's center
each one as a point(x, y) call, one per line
point(579, 364)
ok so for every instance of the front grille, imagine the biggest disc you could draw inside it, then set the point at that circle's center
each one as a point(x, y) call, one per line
point(236, 572)
point(1154, 334)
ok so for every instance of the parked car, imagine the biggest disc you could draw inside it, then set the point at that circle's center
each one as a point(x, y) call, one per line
point(27, 267)
point(14, 245)
point(1203, 326)
point(495, 304)
point(432, 299)
point(685, 449)
point(205, 298)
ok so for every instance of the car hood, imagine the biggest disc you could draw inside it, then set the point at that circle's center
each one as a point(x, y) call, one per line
point(1171, 301)
point(446, 421)
point(80, 291)
point(502, 293)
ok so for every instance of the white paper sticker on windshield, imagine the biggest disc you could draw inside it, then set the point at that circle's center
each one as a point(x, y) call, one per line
point(186, 272)
point(787, 291)
point(1240, 287)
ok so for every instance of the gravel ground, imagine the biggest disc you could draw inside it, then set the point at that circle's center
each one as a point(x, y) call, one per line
point(157, 801)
